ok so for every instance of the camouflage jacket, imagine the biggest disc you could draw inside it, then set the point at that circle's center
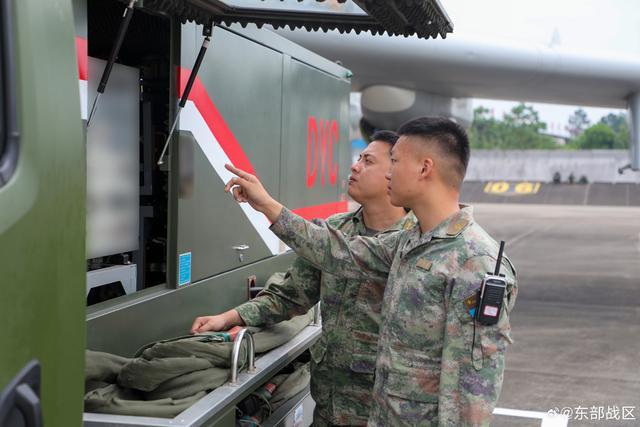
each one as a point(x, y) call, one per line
point(435, 365)
point(343, 360)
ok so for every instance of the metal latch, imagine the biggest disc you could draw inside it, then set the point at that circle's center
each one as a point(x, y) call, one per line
point(240, 249)
point(20, 400)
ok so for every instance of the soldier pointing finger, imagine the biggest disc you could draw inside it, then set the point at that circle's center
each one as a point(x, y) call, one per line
point(436, 364)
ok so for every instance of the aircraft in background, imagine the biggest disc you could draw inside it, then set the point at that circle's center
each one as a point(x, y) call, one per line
point(401, 78)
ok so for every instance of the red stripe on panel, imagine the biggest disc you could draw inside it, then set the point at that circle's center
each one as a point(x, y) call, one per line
point(216, 122)
point(232, 148)
point(83, 59)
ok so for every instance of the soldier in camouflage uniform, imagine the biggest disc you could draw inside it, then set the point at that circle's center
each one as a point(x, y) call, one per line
point(436, 365)
point(343, 361)
point(428, 372)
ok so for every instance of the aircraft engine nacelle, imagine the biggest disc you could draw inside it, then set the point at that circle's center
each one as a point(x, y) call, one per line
point(387, 107)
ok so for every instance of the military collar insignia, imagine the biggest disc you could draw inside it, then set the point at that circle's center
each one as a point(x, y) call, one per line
point(455, 224)
point(408, 222)
point(424, 264)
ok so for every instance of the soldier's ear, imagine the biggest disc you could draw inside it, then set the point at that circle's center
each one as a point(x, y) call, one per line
point(427, 167)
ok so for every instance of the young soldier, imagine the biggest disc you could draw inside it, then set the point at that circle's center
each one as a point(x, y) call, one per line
point(436, 364)
point(343, 360)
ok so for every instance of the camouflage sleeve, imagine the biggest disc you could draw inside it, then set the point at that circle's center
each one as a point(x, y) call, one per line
point(299, 291)
point(472, 362)
point(330, 250)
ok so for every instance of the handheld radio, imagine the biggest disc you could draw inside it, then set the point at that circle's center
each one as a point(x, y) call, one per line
point(492, 294)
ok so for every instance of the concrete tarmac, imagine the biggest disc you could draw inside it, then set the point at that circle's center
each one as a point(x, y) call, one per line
point(576, 323)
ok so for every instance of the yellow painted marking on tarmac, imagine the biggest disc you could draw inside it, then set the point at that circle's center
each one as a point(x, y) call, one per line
point(523, 188)
point(527, 187)
point(512, 189)
point(497, 187)
point(537, 188)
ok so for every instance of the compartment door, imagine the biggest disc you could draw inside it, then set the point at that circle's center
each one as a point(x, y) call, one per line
point(316, 147)
point(234, 115)
point(42, 216)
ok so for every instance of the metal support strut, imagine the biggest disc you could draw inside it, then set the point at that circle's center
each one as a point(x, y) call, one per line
point(634, 127)
point(206, 31)
point(113, 55)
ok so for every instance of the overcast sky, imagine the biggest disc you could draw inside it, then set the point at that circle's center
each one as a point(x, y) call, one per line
point(581, 25)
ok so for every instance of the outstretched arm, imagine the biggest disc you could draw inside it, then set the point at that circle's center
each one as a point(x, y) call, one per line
point(321, 244)
point(299, 291)
point(332, 251)
point(219, 322)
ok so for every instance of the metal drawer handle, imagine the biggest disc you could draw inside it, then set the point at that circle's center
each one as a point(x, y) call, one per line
point(235, 355)
point(317, 316)
point(240, 249)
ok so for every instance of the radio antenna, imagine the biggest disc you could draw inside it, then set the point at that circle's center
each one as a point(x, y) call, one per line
point(499, 260)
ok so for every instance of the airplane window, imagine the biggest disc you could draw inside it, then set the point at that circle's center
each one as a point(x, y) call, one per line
point(8, 120)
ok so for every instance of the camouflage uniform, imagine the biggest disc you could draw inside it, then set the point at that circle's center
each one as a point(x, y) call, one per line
point(427, 372)
point(343, 360)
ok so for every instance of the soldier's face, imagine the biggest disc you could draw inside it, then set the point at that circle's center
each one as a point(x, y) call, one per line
point(367, 179)
point(404, 173)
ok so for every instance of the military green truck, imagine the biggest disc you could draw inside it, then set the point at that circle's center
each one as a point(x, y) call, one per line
point(114, 228)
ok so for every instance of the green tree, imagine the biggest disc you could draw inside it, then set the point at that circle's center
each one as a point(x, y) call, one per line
point(620, 126)
point(578, 122)
point(485, 131)
point(611, 132)
point(524, 116)
point(598, 136)
point(520, 129)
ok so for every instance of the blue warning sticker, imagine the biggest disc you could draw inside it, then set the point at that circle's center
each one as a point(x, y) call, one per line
point(184, 269)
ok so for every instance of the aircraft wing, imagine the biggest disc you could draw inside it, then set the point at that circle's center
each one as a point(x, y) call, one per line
point(474, 67)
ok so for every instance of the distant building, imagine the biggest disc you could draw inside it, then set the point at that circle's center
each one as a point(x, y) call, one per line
point(560, 139)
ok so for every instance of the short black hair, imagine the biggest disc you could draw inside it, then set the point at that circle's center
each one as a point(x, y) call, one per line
point(450, 137)
point(388, 136)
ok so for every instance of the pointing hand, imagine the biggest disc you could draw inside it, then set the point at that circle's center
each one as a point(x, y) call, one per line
point(247, 188)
